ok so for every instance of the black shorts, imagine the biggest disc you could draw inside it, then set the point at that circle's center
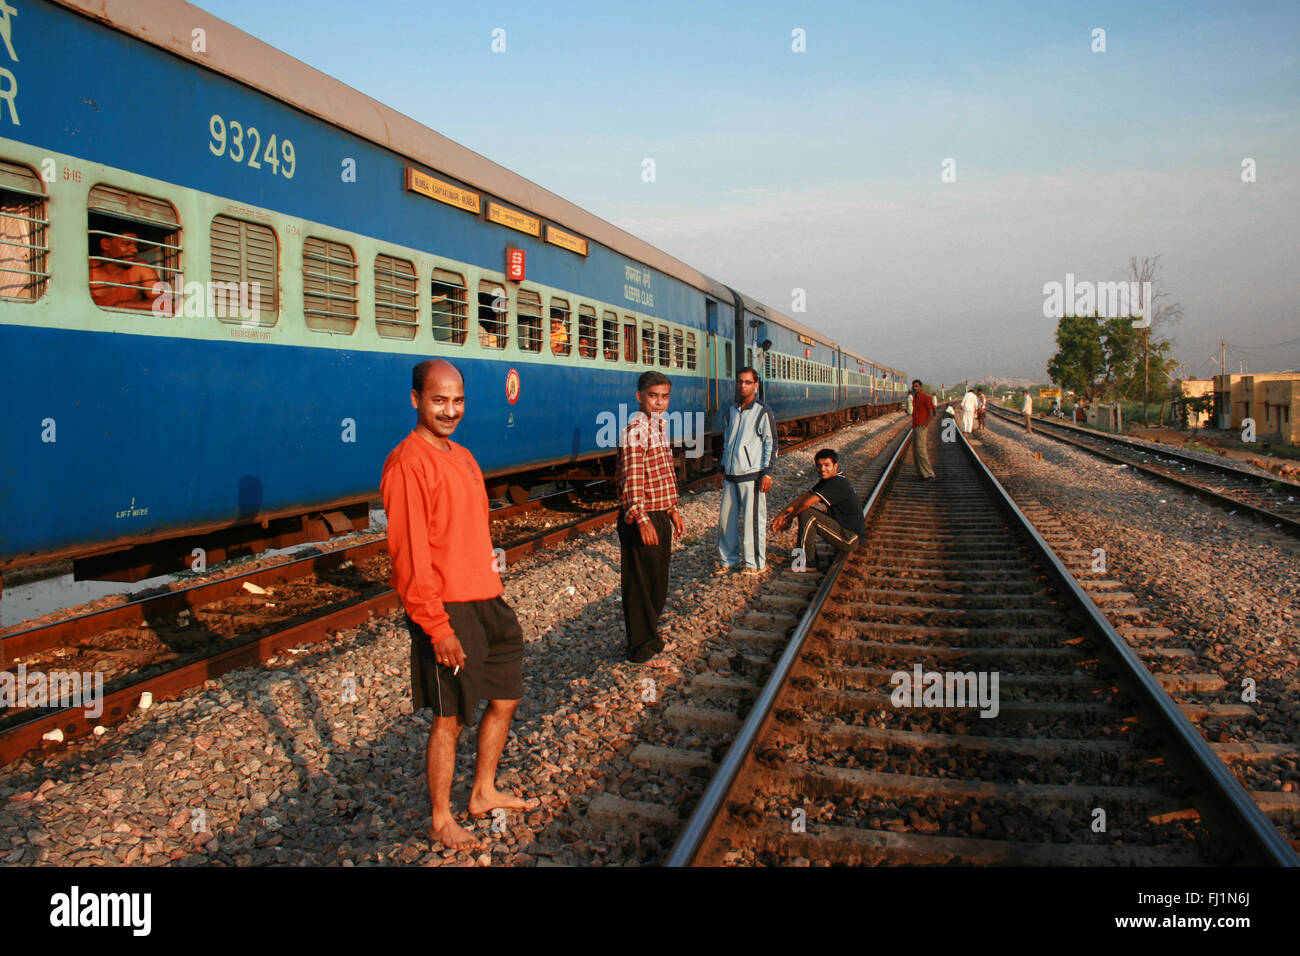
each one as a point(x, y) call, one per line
point(493, 642)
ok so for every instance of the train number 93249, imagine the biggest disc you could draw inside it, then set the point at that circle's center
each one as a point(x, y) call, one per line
point(244, 145)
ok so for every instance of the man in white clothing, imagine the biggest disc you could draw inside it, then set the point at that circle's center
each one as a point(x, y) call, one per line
point(968, 405)
point(1027, 409)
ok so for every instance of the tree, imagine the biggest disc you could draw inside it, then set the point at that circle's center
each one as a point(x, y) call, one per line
point(1146, 276)
point(1080, 360)
point(1110, 358)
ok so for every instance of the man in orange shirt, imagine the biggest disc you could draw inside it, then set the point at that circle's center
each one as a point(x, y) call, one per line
point(466, 643)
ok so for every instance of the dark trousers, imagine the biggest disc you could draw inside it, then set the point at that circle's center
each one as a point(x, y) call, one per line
point(645, 584)
point(827, 528)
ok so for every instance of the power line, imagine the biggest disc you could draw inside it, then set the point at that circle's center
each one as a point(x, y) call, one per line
point(1260, 348)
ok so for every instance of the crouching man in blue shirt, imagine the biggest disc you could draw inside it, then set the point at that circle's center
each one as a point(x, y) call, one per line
point(840, 525)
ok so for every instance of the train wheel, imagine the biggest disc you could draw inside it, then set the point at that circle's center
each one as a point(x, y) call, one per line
point(518, 494)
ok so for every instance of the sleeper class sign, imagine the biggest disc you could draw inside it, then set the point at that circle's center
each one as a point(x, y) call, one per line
point(426, 185)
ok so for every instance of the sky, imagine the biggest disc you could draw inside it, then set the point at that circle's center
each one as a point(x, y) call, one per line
point(919, 170)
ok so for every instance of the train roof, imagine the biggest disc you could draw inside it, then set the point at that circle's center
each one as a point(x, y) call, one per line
point(758, 308)
point(232, 52)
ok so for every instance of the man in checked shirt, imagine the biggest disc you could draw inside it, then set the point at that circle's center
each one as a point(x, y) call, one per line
point(648, 518)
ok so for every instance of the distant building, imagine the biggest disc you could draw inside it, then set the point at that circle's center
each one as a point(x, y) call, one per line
point(1272, 400)
point(1197, 388)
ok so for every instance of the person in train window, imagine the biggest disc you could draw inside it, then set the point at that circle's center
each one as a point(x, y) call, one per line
point(466, 643)
point(749, 444)
point(119, 279)
point(559, 337)
point(648, 518)
point(840, 523)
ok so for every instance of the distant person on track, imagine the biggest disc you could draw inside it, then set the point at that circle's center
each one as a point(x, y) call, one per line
point(648, 518)
point(981, 409)
point(1027, 409)
point(466, 643)
point(840, 524)
point(749, 443)
point(922, 415)
point(969, 404)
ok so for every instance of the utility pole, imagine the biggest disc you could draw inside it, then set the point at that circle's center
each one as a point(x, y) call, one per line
point(1223, 358)
point(1146, 373)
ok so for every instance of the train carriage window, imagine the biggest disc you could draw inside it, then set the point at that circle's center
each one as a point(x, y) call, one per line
point(679, 349)
point(245, 271)
point(397, 305)
point(493, 310)
point(629, 339)
point(329, 285)
point(528, 312)
point(664, 354)
point(767, 365)
point(450, 307)
point(609, 336)
point(24, 234)
point(560, 327)
point(135, 250)
point(690, 350)
point(647, 343)
point(586, 331)
point(727, 351)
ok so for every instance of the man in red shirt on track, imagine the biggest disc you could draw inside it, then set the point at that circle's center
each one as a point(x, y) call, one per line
point(466, 643)
point(922, 413)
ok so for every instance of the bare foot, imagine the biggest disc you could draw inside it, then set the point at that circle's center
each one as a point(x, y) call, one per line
point(454, 837)
point(492, 799)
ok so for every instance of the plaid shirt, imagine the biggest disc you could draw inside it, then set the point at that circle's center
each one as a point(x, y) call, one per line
point(646, 478)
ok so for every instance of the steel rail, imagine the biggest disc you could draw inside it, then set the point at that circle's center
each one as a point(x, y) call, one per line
point(1290, 525)
point(27, 736)
point(1150, 448)
point(711, 802)
point(1215, 777)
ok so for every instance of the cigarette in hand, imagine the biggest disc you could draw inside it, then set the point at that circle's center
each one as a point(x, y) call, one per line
point(455, 671)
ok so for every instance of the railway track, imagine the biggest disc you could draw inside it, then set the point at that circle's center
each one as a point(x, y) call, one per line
point(862, 747)
point(1272, 501)
point(164, 644)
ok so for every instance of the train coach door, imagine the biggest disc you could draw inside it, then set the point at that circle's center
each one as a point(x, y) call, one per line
point(711, 360)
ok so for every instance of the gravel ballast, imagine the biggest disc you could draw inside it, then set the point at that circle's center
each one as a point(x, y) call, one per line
point(317, 758)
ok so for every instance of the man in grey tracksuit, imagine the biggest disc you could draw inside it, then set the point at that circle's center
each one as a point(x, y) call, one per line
point(749, 446)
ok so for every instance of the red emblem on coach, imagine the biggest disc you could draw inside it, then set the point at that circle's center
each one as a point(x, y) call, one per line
point(515, 265)
point(512, 386)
